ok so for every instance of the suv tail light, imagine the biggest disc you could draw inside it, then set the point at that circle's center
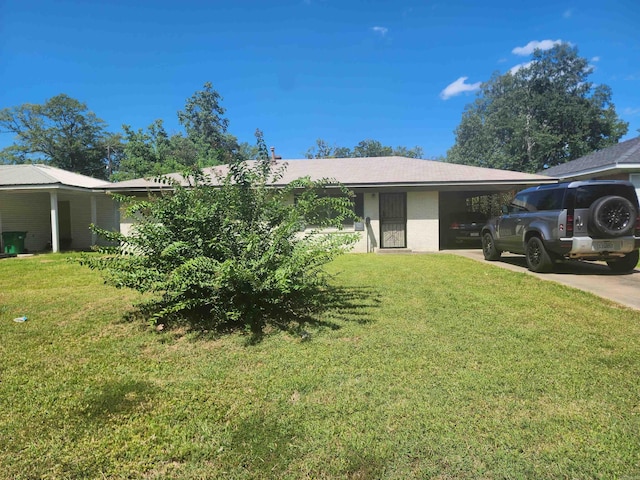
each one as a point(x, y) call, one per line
point(637, 232)
point(569, 225)
point(454, 226)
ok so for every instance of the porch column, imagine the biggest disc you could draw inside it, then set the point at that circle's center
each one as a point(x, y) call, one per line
point(94, 218)
point(55, 230)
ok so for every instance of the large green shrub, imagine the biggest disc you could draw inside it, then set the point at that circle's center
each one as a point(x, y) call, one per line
point(230, 250)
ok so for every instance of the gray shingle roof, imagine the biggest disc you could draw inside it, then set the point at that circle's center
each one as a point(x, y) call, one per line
point(45, 175)
point(620, 155)
point(380, 171)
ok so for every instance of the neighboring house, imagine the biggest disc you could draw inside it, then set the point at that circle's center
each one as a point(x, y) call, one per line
point(401, 199)
point(617, 162)
point(54, 207)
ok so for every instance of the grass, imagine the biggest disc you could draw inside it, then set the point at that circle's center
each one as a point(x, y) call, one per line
point(428, 366)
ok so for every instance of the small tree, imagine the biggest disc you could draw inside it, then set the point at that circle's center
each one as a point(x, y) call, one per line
point(228, 250)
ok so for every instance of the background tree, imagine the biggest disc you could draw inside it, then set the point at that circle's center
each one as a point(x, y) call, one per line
point(61, 132)
point(322, 149)
point(365, 148)
point(259, 151)
point(205, 125)
point(113, 145)
point(544, 114)
point(152, 152)
point(146, 153)
point(248, 151)
point(371, 148)
point(415, 152)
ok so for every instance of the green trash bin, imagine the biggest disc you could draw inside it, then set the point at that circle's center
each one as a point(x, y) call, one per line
point(13, 241)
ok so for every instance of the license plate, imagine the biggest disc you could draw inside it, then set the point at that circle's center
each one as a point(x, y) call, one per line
point(601, 245)
point(474, 234)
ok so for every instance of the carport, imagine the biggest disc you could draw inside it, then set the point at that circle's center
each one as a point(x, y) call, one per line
point(53, 208)
point(486, 199)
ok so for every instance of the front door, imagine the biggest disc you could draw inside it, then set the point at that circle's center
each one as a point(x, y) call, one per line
point(393, 220)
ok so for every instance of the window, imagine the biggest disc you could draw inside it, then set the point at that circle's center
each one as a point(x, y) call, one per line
point(519, 204)
point(539, 200)
point(359, 204)
point(546, 200)
point(585, 195)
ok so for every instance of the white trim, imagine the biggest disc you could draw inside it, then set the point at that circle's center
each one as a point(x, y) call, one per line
point(28, 188)
point(55, 230)
point(605, 169)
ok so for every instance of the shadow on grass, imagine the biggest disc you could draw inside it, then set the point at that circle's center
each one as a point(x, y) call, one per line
point(114, 398)
point(330, 308)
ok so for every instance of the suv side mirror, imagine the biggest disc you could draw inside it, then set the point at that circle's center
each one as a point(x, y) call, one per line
point(505, 210)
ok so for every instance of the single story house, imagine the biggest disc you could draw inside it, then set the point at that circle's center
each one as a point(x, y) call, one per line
point(617, 162)
point(402, 200)
point(54, 207)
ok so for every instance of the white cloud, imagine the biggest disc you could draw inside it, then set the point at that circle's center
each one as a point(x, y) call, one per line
point(595, 59)
point(458, 87)
point(567, 13)
point(532, 45)
point(631, 112)
point(382, 31)
point(513, 70)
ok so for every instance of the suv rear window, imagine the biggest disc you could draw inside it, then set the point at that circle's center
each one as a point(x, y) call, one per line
point(584, 196)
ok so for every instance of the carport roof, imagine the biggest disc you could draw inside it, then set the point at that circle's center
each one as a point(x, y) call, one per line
point(377, 172)
point(45, 176)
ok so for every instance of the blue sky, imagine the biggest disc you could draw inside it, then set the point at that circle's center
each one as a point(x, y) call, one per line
point(399, 72)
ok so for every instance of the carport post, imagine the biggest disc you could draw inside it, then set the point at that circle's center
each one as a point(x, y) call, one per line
point(55, 230)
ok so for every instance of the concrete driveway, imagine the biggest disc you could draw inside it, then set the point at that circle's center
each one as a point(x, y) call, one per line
point(591, 277)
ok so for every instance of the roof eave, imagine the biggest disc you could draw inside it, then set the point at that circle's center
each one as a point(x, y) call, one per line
point(457, 183)
point(51, 186)
point(610, 168)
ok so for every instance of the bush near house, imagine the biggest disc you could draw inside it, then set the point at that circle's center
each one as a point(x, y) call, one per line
point(228, 251)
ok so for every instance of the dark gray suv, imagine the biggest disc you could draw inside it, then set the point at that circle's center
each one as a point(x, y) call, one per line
point(586, 220)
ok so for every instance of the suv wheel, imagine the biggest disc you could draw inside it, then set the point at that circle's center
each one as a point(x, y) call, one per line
point(538, 259)
point(613, 216)
point(489, 249)
point(625, 264)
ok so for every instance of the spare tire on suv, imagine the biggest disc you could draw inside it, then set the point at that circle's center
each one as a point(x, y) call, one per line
point(612, 216)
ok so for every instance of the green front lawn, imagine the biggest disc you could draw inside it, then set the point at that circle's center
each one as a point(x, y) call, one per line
point(427, 366)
